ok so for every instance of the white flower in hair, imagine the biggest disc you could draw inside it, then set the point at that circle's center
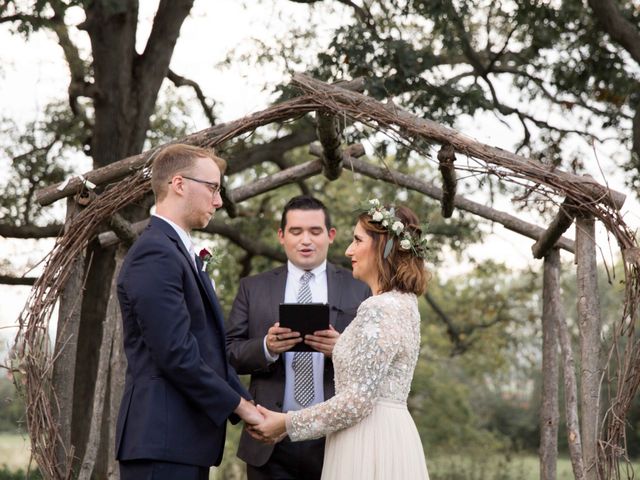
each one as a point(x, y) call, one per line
point(397, 227)
point(409, 238)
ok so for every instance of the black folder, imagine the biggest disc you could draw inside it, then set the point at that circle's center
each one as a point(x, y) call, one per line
point(305, 318)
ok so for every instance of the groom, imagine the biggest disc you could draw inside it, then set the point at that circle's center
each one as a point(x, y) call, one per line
point(179, 389)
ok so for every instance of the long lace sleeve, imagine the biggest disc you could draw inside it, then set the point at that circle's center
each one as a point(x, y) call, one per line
point(369, 349)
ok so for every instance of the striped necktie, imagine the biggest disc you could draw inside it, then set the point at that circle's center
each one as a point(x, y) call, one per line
point(302, 365)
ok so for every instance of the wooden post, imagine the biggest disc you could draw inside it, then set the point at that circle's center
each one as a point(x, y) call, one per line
point(589, 324)
point(63, 375)
point(101, 409)
point(571, 399)
point(551, 311)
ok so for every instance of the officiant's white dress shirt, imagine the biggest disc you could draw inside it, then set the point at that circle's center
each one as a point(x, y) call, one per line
point(319, 294)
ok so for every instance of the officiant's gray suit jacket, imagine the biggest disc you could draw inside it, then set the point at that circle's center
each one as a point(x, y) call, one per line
point(255, 309)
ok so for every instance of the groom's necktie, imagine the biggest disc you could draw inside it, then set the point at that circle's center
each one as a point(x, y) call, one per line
point(303, 361)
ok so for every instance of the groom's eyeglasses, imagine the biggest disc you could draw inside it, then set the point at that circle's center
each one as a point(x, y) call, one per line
point(213, 187)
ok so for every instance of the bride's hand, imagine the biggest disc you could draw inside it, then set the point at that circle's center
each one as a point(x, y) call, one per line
point(272, 429)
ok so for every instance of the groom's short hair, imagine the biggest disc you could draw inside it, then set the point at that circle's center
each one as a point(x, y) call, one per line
point(305, 202)
point(178, 158)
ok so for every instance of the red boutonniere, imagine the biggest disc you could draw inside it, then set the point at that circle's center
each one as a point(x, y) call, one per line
point(209, 260)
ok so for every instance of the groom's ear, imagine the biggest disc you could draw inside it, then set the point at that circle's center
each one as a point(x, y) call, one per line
point(332, 234)
point(280, 235)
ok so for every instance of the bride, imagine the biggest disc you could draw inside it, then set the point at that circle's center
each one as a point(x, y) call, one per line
point(370, 433)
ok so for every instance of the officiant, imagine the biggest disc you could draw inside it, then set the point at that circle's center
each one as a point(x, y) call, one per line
point(283, 379)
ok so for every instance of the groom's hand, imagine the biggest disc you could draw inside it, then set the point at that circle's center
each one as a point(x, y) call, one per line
point(280, 339)
point(272, 430)
point(323, 340)
point(248, 412)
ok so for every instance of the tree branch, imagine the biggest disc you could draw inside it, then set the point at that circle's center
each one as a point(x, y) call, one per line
point(361, 13)
point(152, 66)
point(30, 231)
point(179, 81)
point(564, 103)
point(269, 152)
point(510, 222)
point(78, 84)
point(249, 245)
point(508, 110)
point(617, 26)
point(271, 182)
point(9, 280)
point(453, 333)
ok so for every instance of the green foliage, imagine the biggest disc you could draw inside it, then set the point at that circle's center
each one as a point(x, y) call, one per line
point(12, 410)
point(31, 154)
point(467, 359)
point(170, 120)
point(20, 474)
point(515, 59)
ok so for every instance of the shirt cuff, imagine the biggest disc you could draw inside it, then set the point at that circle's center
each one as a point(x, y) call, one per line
point(267, 354)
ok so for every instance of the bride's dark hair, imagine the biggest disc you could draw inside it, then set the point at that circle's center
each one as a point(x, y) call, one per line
point(401, 270)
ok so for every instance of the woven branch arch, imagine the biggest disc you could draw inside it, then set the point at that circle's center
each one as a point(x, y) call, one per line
point(129, 180)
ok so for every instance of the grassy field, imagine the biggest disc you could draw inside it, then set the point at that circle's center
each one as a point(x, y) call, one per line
point(496, 467)
point(14, 453)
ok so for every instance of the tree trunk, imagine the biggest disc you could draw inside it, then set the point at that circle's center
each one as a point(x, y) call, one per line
point(65, 351)
point(589, 323)
point(551, 311)
point(127, 85)
point(102, 411)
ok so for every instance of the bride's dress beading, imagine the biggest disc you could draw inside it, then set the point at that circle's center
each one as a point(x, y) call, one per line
point(370, 434)
point(374, 359)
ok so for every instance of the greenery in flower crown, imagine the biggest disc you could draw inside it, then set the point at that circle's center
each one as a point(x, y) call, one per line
point(387, 218)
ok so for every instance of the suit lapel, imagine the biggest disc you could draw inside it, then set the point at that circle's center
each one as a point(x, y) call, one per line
point(276, 290)
point(205, 283)
point(334, 292)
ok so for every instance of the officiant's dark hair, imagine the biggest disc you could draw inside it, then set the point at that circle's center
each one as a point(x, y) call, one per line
point(178, 158)
point(305, 202)
point(401, 270)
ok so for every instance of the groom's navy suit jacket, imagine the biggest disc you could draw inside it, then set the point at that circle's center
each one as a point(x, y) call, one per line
point(179, 388)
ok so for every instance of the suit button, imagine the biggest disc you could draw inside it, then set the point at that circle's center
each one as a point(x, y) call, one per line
point(279, 404)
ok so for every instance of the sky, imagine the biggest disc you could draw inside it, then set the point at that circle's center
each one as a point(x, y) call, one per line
point(34, 72)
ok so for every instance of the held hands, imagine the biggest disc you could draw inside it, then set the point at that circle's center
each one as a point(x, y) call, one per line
point(280, 339)
point(323, 340)
point(248, 412)
point(272, 430)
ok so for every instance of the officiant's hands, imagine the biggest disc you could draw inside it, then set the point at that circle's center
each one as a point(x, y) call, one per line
point(280, 339)
point(323, 340)
point(272, 429)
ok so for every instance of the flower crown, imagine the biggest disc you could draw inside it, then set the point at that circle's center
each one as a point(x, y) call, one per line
point(387, 218)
